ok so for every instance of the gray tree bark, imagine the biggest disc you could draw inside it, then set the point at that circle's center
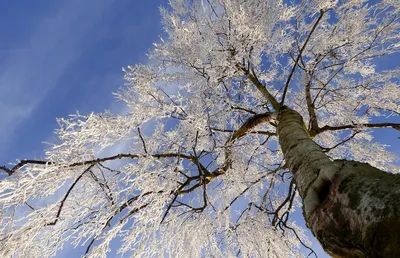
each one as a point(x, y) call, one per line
point(352, 208)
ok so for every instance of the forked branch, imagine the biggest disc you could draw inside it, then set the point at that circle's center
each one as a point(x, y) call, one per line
point(321, 13)
point(260, 87)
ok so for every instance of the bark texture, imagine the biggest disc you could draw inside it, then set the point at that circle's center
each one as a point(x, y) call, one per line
point(352, 208)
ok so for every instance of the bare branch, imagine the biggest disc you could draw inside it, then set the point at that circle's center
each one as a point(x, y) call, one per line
point(109, 220)
point(248, 125)
point(143, 142)
point(356, 126)
point(321, 13)
point(22, 163)
point(340, 143)
point(275, 219)
point(251, 132)
point(67, 194)
point(251, 184)
point(311, 108)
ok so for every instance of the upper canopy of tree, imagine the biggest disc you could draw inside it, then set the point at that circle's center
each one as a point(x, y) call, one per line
point(194, 167)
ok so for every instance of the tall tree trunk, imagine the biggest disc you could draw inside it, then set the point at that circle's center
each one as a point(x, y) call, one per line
point(352, 208)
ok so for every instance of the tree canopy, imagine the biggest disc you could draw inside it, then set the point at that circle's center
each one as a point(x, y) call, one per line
point(195, 166)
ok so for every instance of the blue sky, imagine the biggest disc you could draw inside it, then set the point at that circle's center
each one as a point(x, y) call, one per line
point(57, 57)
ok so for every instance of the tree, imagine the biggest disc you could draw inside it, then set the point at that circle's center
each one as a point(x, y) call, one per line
point(248, 110)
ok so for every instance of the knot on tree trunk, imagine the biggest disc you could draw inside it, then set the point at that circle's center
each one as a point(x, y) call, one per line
point(361, 214)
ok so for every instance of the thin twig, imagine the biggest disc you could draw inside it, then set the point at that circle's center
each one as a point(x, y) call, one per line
point(141, 138)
